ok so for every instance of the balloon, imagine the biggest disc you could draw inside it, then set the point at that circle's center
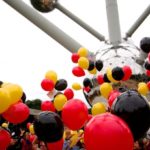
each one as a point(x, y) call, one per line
point(109, 75)
point(87, 82)
point(31, 137)
point(75, 57)
point(76, 86)
point(5, 139)
point(100, 79)
point(99, 65)
point(69, 93)
point(105, 78)
point(91, 65)
point(148, 85)
point(43, 6)
point(148, 56)
point(134, 110)
point(28, 125)
point(1, 83)
point(107, 132)
point(87, 89)
point(127, 73)
point(31, 129)
point(143, 89)
point(59, 101)
point(23, 98)
point(147, 65)
point(98, 108)
point(145, 44)
point(58, 145)
point(51, 75)
point(74, 114)
point(15, 92)
point(4, 125)
point(82, 52)
point(112, 97)
point(47, 106)
point(117, 73)
point(61, 85)
point(16, 113)
point(94, 71)
point(4, 100)
point(83, 63)
point(48, 127)
point(47, 85)
point(105, 89)
point(78, 71)
point(148, 73)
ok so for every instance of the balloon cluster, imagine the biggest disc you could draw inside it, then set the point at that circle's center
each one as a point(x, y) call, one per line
point(11, 106)
point(123, 121)
point(85, 63)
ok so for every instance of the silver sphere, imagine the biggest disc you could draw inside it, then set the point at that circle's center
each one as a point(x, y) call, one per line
point(44, 5)
point(123, 54)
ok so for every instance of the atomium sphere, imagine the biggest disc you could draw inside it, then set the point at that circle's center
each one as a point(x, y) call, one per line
point(124, 54)
point(43, 5)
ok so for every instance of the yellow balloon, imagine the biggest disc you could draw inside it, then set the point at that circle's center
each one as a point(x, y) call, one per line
point(105, 89)
point(98, 108)
point(59, 101)
point(76, 86)
point(94, 71)
point(74, 139)
point(143, 89)
point(109, 75)
point(4, 125)
point(31, 129)
point(15, 92)
point(51, 75)
point(83, 52)
point(5, 101)
point(83, 63)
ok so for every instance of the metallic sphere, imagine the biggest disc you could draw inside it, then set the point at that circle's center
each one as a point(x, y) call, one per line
point(44, 5)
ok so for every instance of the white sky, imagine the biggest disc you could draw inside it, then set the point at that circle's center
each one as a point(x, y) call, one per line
point(27, 53)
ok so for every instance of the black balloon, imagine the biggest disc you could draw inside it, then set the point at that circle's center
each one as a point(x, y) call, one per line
point(48, 127)
point(134, 110)
point(43, 6)
point(99, 65)
point(145, 44)
point(87, 82)
point(117, 73)
point(105, 78)
point(61, 85)
point(147, 65)
point(23, 98)
point(91, 65)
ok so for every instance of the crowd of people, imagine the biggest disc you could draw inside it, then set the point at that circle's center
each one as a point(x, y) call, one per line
point(24, 139)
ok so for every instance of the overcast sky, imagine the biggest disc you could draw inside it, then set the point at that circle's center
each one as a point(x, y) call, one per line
point(27, 52)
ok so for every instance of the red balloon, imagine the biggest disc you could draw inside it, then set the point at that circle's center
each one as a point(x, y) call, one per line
point(28, 125)
point(69, 93)
point(16, 113)
point(47, 85)
point(89, 117)
point(112, 97)
point(107, 132)
point(58, 145)
point(148, 56)
point(47, 106)
point(75, 57)
point(74, 114)
point(127, 73)
point(5, 139)
point(87, 89)
point(148, 73)
point(78, 71)
point(148, 85)
point(100, 79)
point(31, 137)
